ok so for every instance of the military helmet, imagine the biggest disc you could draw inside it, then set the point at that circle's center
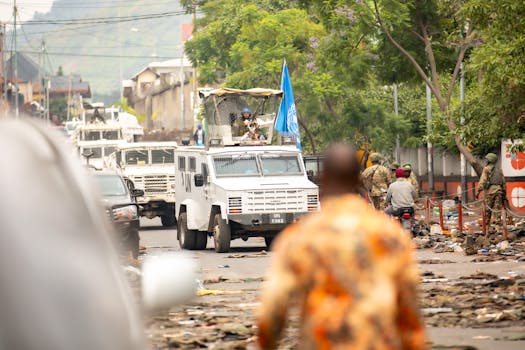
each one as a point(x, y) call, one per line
point(246, 110)
point(491, 157)
point(407, 166)
point(394, 166)
point(375, 157)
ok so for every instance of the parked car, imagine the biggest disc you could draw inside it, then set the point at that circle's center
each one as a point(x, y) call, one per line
point(121, 208)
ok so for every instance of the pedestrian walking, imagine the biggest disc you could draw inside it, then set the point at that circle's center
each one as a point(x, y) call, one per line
point(377, 179)
point(492, 182)
point(348, 267)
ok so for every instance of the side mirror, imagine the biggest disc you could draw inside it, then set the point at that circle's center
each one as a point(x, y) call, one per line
point(199, 180)
point(87, 154)
point(310, 175)
point(137, 193)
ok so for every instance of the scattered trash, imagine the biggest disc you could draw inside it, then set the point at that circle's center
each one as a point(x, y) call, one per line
point(435, 310)
point(216, 292)
point(223, 266)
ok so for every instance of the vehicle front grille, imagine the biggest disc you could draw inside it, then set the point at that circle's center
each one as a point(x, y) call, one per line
point(277, 201)
point(152, 184)
point(235, 205)
point(313, 202)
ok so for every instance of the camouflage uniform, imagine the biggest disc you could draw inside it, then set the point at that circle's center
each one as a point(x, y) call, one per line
point(351, 271)
point(412, 178)
point(493, 183)
point(377, 178)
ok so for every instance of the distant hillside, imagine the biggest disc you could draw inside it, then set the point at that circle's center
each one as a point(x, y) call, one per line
point(158, 37)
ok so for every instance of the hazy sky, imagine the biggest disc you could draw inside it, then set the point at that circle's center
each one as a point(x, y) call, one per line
point(26, 8)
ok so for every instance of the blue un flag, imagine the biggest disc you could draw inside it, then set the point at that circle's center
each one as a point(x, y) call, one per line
point(286, 121)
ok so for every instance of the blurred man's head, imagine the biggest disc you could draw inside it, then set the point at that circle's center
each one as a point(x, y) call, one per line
point(341, 170)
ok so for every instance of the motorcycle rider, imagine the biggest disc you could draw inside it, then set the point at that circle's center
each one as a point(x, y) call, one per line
point(400, 194)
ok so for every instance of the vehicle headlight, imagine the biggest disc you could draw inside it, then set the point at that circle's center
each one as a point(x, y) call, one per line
point(128, 212)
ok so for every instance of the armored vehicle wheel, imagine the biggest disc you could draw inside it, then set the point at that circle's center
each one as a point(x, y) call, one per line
point(221, 234)
point(268, 241)
point(201, 240)
point(168, 220)
point(133, 242)
point(187, 238)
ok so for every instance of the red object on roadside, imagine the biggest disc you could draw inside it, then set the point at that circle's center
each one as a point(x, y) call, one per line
point(460, 216)
point(441, 223)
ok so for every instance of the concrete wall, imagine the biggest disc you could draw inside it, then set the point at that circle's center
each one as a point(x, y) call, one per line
point(444, 164)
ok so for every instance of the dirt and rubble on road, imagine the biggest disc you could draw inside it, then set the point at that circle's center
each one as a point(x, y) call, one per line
point(485, 290)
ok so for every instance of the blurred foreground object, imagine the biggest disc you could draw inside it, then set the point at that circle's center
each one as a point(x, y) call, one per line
point(167, 280)
point(61, 286)
point(349, 267)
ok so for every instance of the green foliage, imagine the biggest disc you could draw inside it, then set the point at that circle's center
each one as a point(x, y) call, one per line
point(496, 107)
point(58, 107)
point(344, 57)
point(123, 104)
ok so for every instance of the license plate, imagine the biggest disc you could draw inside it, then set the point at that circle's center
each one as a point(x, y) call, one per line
point(277, 219)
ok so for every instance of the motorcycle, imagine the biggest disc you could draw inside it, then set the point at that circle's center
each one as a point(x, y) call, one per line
point(406, 219)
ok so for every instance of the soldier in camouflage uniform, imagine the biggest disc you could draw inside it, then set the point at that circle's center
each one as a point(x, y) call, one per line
point(393, 167)
point(411, 177)
point(492, 182)
point(377, 178)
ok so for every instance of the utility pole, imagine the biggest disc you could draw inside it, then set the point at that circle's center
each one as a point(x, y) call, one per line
point(182, 79)
point(68, 97)
point(15, 14)
point(462, 121)
point(2, 34)
point(396, 111)
point(430, 150)
point(4, 63)
point(41, 79)
point(194, 73)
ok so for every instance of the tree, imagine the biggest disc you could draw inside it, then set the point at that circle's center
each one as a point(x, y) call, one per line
point(427, 34)
point(496, 107)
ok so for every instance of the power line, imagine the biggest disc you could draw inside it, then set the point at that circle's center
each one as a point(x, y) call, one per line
point(73, 54)
point(105, 20)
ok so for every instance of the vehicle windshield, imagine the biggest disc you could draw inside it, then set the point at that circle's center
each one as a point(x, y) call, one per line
point(162, 156)
point(278, 164)
point(111, 135)
point(111, 185)
point(109, 150)
point(137, 157)
point(236, 165)
point(91, 135)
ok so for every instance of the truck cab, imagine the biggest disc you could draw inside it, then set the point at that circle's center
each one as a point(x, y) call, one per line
point(239, 192)
point(150, 167)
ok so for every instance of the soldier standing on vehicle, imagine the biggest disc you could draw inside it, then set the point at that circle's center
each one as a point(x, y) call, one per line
point(492, 182)
point(411, 177)
point(348, 267)
point(377, 178)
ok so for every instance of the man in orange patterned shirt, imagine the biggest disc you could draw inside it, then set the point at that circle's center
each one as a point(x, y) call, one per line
point(350, 270)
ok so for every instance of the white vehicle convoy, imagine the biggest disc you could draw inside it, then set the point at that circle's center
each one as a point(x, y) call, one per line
point(150, 166)
point(97, 153)
point(239, 192)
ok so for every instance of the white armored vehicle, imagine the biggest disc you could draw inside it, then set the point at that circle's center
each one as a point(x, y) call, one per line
point(243, 190)
point(239, 192)
point(97, 153)
point(150, 166)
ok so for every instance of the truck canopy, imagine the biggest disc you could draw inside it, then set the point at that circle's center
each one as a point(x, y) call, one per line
point(223, 111)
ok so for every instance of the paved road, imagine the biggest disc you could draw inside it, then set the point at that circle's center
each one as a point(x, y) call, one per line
point(245, 266)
